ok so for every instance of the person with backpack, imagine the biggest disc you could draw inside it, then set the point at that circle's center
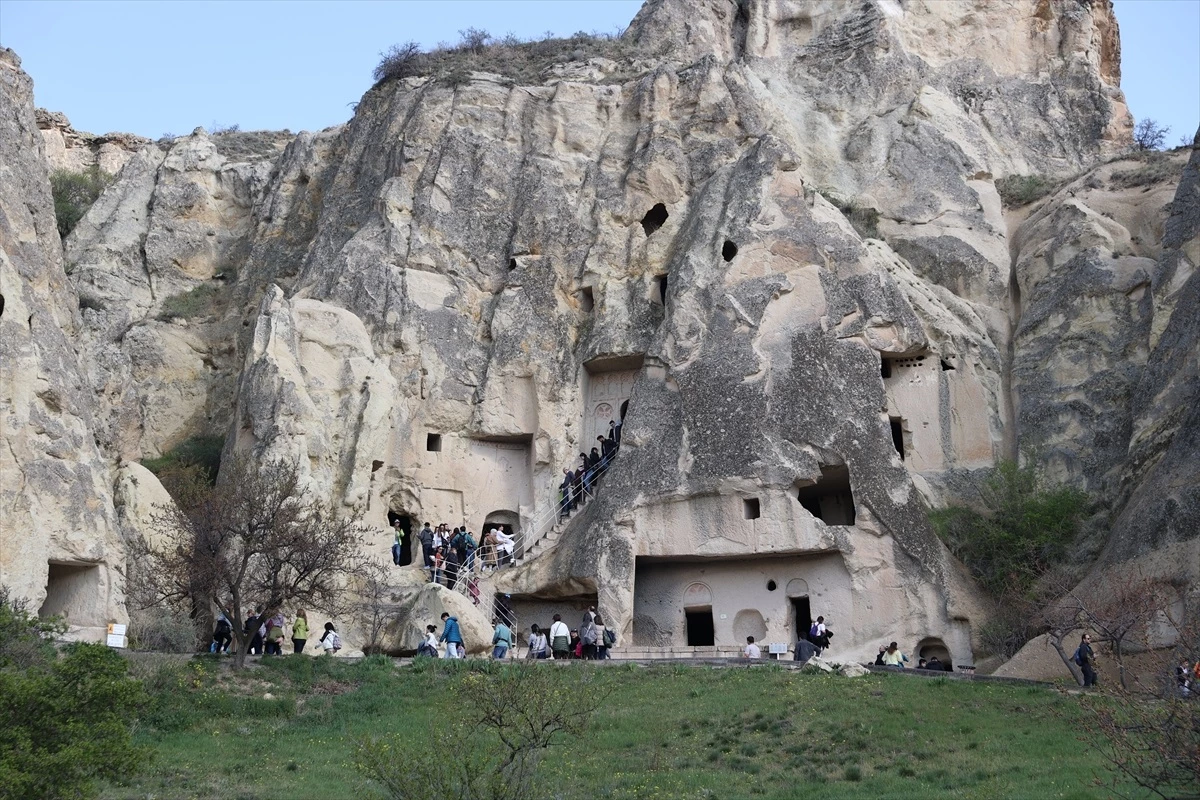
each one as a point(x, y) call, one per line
point(560, 637)
point(299, 631)
point(502, 639)
point(330, 640)
point(426, 539)
point(274, 640)
point(606, 637)
point(819, 635)
point(451, 635)
point(588, 636)
point(1085, 657)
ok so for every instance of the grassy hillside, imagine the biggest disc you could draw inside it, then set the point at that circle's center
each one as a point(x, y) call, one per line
point(288, 728)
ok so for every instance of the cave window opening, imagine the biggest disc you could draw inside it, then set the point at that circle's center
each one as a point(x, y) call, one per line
point(772, 586)
point(830, 499)
point(658, 294)
point(433, 443)
point(406, 556)
point(624, 409)
point(587, 300)
point(512, 263)
point(885, 368)
point(654, 218)
point(728, 250)
point(699, 627)
point(947, 366)
point(1, 305)
point(751, 508)
point(376, 465)
point(897, 426)
point(72, 592)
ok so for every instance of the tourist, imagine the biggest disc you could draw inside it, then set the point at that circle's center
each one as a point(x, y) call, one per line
point(804, 651)
point(587, 474)
point(751, 650)
point(274, 641)
point(451, 567)
point(564, 505)
point(330, 640)
point(607, 448)
point(505, 544)
point(451, 635)
point(300, 631)
point(1183, 683)
point(605, 638)
point(560, 638)
point(1085, 657)
point(397, 545)
point(575, 645)
point(935, 663)
point(595, 465)
point(439, 563)
point(429, 645)
point(537, 643)
point(254, 629)
point(426, 538)
point(473, 588)
point(879, 662)
point(502, 639)
point(222, 635)
point(922, 664)
point(820, 635)
point(614, 432)
point(588, 637)
point(892, 657)
point(577, 489)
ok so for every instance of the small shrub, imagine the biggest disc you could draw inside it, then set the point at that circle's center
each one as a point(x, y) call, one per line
point(1158, 167)
point(162, 629)
point(74, 193)
point(200, 452)
point(196, 302)
point(1021, 190)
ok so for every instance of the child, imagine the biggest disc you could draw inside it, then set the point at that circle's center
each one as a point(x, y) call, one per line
point(751, 650)
point(330, 639)
point(429, 647)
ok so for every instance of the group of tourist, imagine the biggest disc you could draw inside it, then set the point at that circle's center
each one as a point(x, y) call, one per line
point(590, 641)
point(267, 634)
point(579, 482)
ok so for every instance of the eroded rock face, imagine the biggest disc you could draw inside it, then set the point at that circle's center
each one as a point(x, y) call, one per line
point(779, 254)
point(59, 543)
point(78, 151)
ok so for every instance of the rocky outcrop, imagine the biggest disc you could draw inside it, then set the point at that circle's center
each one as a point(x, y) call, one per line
point(59, 543)
point(779, 254)
point(77, 151)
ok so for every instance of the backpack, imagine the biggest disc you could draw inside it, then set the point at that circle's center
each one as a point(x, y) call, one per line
point(610, 637)
point(813, 632)
point(1078, 661)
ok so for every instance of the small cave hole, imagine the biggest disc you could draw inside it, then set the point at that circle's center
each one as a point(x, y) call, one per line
point(728, 250)
point(772, 586)
point(885, 368)
point(946, 366)
point(433, 443)
point(658, 294)
point(1, 305)
point(654, 218)
point(750, 508)
point(897, 425)
point(376, 465)
point(512, 263)
point(587, 300)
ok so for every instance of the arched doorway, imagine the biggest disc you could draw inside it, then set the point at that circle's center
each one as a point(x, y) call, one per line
point(507, 521)
point(933, 647)
point(797, 593)
point(406, 543)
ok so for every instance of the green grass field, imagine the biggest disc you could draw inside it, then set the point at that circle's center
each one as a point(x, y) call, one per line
point(662, 732)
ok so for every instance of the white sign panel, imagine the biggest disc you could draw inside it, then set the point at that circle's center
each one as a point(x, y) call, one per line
point(116, 639)
point(777, 647)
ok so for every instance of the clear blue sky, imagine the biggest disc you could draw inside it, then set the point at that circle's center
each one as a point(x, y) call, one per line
point(165, 67)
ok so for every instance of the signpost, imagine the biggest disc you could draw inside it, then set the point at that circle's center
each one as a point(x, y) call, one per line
point(116, 635)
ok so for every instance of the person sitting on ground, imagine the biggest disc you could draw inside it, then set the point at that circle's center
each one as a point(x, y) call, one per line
point(751, 650)
point(330, 640)
point(560, 637)
point(429, 645)
point(922, 664)
point(537, 643)
point(893, 657)
point(879, 662)
point(935, 663)
point(502, 639)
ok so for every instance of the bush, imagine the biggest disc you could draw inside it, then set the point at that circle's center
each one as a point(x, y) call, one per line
point(1149, 135)
point(523, 62)
point(67, 721)
point(1158, 167)
point(74, 193)
point(200, 301)
point(162, 629)
point(200, 452)
point(1025, 529)
point(1021, 190)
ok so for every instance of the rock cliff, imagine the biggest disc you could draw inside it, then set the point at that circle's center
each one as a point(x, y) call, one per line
point(778, 252)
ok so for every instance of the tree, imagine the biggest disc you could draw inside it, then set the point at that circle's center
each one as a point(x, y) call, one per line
point(1023, 531)
point(68, 720)
point(256, 538)
point(1149, 135)
point(509, 715)
point(374, 593)
point(74, 193)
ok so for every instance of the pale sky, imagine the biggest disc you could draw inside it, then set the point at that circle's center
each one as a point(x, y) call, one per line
point(165, 67)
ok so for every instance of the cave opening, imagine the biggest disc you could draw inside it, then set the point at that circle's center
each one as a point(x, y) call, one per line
point(433, 443)
point(897, 426)
point(658, 294)
point(830, 499)
point(654, 218)
point(728, 250)
point(699, 626)
point(406, 525)
point(587, 300)
point(751, 508)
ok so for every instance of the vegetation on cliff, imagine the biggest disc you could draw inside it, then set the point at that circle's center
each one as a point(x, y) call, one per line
point(74, 193)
